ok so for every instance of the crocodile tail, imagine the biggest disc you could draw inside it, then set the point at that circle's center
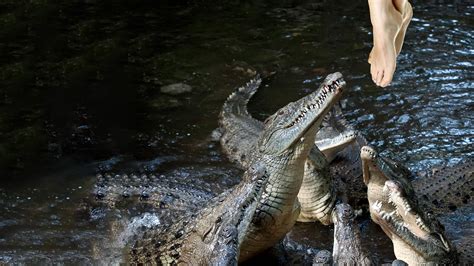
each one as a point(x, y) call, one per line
point(236, 124)
point(236, 103)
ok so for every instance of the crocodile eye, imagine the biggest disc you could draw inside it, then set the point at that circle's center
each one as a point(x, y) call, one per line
point(281, 112)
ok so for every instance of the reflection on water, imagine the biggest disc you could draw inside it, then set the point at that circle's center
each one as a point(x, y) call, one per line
point(81, 93)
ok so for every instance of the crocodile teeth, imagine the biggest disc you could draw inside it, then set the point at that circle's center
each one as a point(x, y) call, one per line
point(421, 224)
point(407, 210)
point(377, 205)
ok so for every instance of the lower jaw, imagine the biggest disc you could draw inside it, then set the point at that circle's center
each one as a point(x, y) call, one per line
point(405, 252)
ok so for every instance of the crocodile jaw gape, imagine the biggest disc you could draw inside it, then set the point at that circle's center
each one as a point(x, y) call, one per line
point(376, 170)
point(291, 123)
point(417, 237)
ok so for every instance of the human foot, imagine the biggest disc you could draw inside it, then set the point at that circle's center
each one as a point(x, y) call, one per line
point(407, 13)
point(386, 22)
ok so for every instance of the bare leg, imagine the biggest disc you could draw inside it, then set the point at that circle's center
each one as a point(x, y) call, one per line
point(388, 27)
point(407, 13)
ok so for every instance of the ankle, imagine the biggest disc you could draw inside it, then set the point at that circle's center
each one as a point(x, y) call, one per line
point(384, 17)
point(400, 5)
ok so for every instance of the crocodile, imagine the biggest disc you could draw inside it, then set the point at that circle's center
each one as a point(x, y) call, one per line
point(211, 236)
point(446, 188)
point(160, 191)
point(409, 221)
point(169, 196)
point(317, 193)
point(347, 245)
point(282, 145)
point(345, 168)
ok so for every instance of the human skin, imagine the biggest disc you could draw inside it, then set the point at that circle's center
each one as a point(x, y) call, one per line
point(390, 19)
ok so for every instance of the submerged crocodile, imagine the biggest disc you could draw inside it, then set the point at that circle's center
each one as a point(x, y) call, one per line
point(212, 236)
point(282, 146)
point(410, 221)
point(347, 245)
point(170, 197)
point(317, 193)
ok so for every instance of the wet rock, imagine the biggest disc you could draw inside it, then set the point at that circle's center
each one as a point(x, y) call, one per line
point(399, 263)
point(176, 89)
point(323, 257)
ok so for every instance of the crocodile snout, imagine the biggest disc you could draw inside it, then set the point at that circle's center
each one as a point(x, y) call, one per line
point(367, 153)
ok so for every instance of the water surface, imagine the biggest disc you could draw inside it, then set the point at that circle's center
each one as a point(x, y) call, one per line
point(80, 93)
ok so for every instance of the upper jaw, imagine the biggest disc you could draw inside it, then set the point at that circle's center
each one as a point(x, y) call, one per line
point(394, 206)
point(421, 224)
point(369, 158)
point(293, 122)
point(315, 106)
point(400, 218)
point(330, 147)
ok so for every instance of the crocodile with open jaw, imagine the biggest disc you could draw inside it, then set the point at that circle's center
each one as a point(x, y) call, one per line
point(317, 193)
point(416, 234)
point(282, 146)
point(211, 236)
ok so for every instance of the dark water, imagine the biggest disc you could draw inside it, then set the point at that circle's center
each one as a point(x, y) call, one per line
point(80, 92)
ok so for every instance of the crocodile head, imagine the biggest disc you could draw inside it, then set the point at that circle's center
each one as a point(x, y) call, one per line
point(416, 234)
point(218, 236)
point(290, 124)
point(343, 214)
point(330, 143)
point(347, 247)
point(335, 135)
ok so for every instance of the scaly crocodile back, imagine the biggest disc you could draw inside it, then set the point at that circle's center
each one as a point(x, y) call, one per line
point(169, 196)
point(202, 236)
point(163, 245)
point(447, 188)
point(465, 246)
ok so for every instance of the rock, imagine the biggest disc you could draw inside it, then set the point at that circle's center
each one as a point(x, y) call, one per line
point(175, 89)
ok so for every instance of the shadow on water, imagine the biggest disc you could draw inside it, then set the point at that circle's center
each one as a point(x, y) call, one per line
point(80, 93)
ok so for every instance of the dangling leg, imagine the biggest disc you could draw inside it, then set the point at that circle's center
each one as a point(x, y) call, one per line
point(389, 26)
